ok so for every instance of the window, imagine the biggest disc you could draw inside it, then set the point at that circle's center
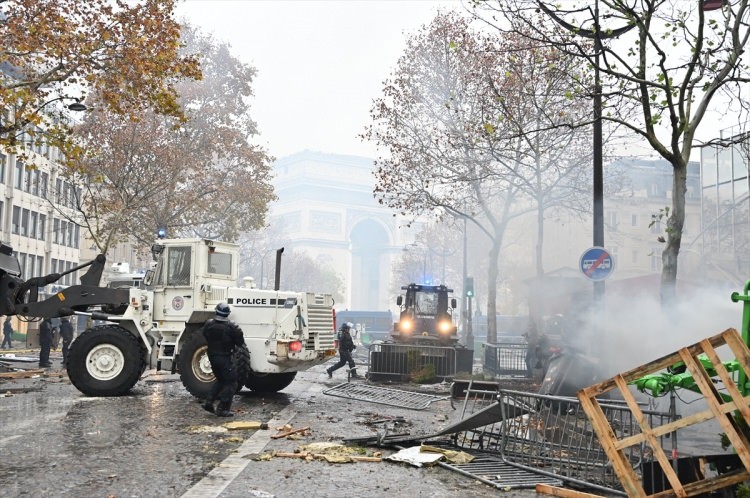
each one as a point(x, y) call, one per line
point(53, 266)
point(32, 265)
point(16, 219)
point(656, 260)
point(40, 265)
point(3, 163)
point(18, 178)
point(178, 266)
point(22, 262)
point(43, 185)
point(27, 179)
point(76, 237)
point(612, 219)
point(220, 263)
point(56, 231)
point(25, 222)
point(35, 182)
point(58, 190)
point(41, 226)
point(66, 194)
point(69, 238)
point(32, 225)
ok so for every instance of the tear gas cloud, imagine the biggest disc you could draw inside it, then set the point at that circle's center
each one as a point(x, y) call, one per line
point(633, 331)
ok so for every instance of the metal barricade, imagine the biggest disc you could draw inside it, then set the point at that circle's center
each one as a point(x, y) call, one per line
point(401, 361)
point(505, 358)
point(552, 436)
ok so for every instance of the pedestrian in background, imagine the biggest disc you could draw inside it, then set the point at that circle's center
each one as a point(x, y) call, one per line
point(66, 334)
point(7, 332)
point(346, 346)
point(45, 342)
point(55, 333)
point(222, 337)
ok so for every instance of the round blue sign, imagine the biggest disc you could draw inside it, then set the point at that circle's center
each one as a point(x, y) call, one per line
point(597, 264)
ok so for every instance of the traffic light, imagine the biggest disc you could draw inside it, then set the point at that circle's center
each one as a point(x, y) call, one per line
point(469, 286)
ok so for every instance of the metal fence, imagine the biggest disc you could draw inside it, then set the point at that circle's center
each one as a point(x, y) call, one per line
point(505, 358)
point(400, 361)
point(552, 436)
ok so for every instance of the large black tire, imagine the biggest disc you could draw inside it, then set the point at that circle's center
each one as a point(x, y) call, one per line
point(241, 358)
point(269, 383)
point(106, 360)
point(195, 368)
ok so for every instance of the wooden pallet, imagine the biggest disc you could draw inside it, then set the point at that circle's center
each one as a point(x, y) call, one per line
point(22, 374)
point(718, 409)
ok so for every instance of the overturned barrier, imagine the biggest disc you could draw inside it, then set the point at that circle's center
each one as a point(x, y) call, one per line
point(399, 362)
point(505, 359)
point(552, 436)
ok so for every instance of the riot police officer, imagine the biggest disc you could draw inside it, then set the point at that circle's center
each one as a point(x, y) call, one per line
point(222, 336)
point(346, 346)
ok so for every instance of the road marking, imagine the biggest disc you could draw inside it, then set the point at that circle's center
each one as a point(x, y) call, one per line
point(227, 471)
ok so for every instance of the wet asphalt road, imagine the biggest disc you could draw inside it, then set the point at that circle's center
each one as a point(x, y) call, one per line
point(158, 442)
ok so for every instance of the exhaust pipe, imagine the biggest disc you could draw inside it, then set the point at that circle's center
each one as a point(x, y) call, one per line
point(276, 285)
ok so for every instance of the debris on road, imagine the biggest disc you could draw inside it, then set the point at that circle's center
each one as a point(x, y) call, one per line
point(200, 429)
point(241, 425)
point(453, 456)
point(415, 456)
point(22, 374)
point(329, 452)
point(287, 431)
point(385, 396)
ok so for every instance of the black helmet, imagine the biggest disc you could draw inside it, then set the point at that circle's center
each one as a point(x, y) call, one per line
point(222, 312)
point(346, 326)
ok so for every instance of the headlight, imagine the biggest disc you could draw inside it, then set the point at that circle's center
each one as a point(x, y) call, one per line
point(406, 325)
point(445, 327)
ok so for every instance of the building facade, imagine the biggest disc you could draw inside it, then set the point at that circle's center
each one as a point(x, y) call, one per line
point(725, 187)
point(36, 213)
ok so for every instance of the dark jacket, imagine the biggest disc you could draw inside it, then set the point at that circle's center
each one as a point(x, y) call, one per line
point(66, 329)
point(7, 327)
point(222, 337)
point(45, 328)
point(345, 341)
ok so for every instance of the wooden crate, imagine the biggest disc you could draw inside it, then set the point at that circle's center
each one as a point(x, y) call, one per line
point(718, 409)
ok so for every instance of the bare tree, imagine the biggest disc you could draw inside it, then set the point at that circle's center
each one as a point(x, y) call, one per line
point(53, 53)
point(661, 63)
point(195, 177)
point(463, 142)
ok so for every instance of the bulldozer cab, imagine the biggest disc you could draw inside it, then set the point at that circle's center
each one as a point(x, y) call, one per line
point(426, 314)
point(186, 272)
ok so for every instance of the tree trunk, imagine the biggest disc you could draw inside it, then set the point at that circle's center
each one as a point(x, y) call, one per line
point(675, 224)
point(539, 240)
point(492, 272)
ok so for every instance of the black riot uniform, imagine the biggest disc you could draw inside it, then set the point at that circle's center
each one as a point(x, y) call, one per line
point(66, 334)
point(222, 336)
point(346, 346)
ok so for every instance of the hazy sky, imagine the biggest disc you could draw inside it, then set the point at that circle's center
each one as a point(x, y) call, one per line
point(320, 63)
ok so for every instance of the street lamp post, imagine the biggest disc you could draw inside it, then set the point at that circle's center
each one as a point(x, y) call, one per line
point(598, 176)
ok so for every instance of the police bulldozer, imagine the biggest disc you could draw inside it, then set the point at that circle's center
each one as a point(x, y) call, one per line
point(424, 338)
point(158, 325)
point(425, 316)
